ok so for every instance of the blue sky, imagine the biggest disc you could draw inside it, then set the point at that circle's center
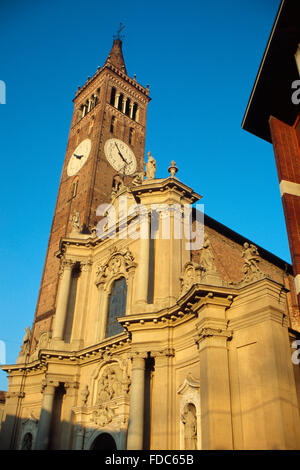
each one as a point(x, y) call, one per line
point(200, 59)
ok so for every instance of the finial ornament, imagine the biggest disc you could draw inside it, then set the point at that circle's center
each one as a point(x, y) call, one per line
point(150, 167)
point(118, 36)
point(173, 169)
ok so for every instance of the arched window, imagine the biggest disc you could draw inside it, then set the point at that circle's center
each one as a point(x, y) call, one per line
point(113, 96)
point(120, 104)
point(127, 107)
point(116, 307)
point(134, 111)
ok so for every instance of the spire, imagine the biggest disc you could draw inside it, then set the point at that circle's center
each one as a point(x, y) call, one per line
point(116, 56)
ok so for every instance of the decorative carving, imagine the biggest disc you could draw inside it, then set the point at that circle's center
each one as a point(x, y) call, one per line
point(84, 394)
point(103, 415)
point(85, 265)
point(173, 169)
point(65, 264)
point(168, 352)
point(150, 167)
point(43, 340)
point(138, 178)
point(117, 185)
point(251, 270)
point(111, 384)
point(120, 262)
point(25, 348)
point(207, 259)
point(209, 332)
point(75, 221)
point(191, 275)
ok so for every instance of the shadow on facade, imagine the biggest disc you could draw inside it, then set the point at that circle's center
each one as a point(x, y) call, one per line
point(24, 434)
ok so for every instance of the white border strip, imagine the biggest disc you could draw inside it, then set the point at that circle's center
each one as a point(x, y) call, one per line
point(287, 187)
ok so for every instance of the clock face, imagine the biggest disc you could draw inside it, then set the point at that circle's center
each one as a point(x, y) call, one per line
point(120, 156)
point(79, 157)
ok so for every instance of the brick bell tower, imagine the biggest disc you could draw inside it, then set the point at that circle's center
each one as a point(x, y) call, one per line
point(107, 137)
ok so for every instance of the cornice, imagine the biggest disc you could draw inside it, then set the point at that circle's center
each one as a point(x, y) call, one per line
point(117, 72)
point(106, 348)
point(170, 183)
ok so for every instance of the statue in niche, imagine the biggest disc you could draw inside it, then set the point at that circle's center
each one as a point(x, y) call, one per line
point(189, 420)
point(25, 348)
point(150, 167)
point(207, 258)
point(75, 221)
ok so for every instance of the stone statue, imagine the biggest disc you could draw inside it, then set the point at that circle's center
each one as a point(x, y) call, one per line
point(75, 220)
point(117, 185)
point(110, 385)
point(150, 167)
point(251, 256)
point(189, 420)
point(207, 257)
point(137, 179)
point(251, 270)
point(25, 348)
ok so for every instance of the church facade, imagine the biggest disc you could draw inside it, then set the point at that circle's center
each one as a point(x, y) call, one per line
point(156, 326)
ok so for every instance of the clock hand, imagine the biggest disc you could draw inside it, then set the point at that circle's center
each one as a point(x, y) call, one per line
point(77, 156)
point(121, 154)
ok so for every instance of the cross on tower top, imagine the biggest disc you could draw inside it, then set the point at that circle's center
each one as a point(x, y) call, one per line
point(118, 36)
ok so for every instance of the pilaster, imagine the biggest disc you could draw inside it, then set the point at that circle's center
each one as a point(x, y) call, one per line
point(162, 427)
point(136, 412)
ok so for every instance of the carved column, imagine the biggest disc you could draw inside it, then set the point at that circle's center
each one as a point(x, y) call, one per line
point(130, 110)
point(42, 438)
point(124, 105)
point(136, 412)
point(162, 410)
point(62, 301)
point(143, 261)
point(216, 421)
point(117, 95)
point(67, 419)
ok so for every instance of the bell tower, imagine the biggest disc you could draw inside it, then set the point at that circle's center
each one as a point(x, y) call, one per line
point(107, 136)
